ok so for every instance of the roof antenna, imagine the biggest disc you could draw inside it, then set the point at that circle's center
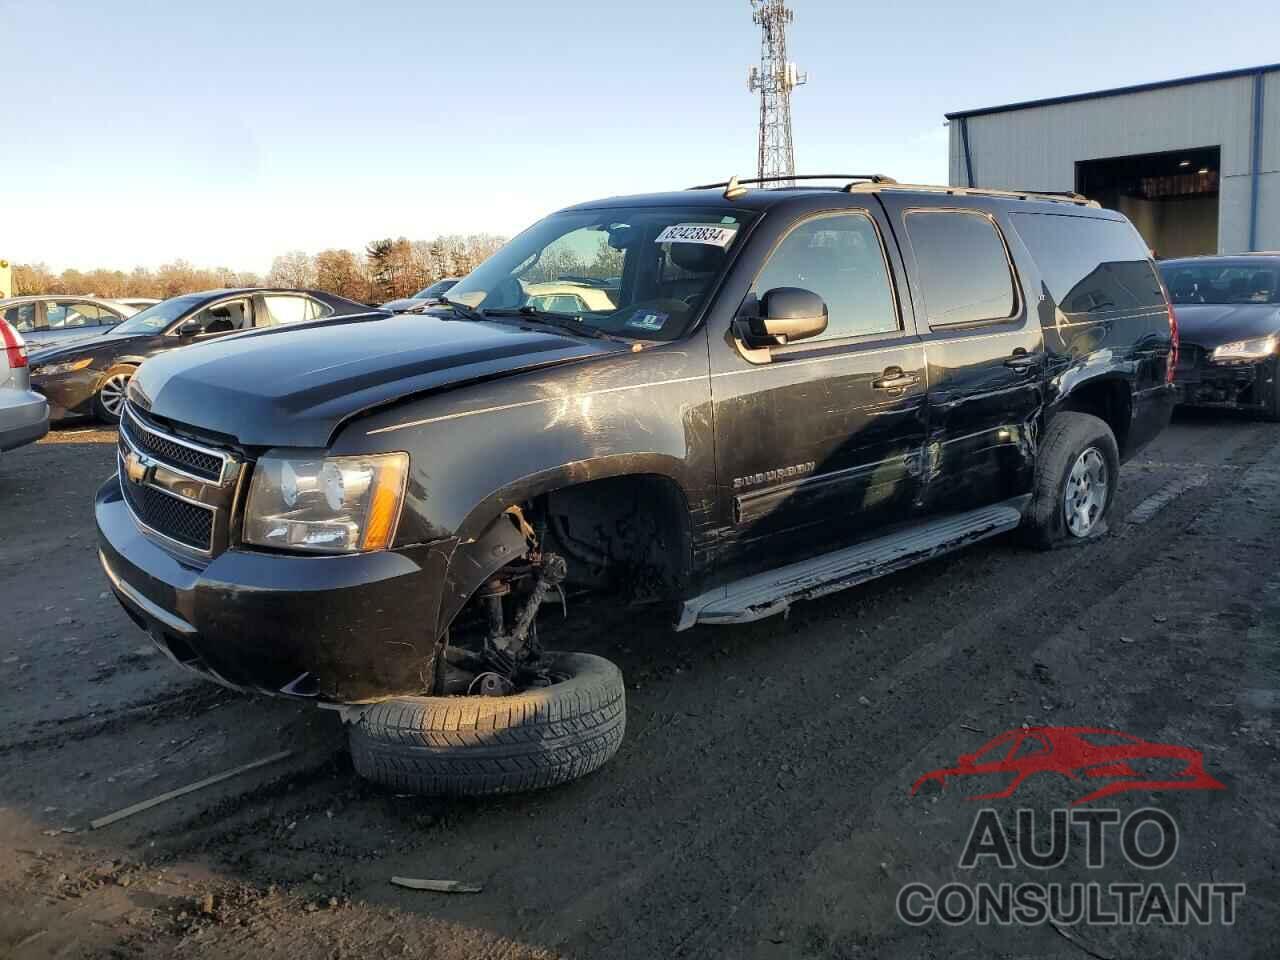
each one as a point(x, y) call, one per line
point(733, 190)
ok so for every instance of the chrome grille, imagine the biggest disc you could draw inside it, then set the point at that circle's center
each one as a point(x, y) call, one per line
point(177, 490)
point(189, 524)
point(188, 458)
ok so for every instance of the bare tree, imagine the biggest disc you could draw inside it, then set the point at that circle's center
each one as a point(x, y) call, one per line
point(294, 269)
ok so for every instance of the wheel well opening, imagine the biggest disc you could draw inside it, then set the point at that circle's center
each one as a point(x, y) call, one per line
point(625, 535)
point(1109, 401)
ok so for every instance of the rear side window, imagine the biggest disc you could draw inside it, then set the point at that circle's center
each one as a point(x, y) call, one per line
point(963, 267)
point(285, 310)
point(1090, 265)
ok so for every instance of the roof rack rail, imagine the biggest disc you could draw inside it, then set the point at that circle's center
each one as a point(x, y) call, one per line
point(1064, 196)
point(735, 187)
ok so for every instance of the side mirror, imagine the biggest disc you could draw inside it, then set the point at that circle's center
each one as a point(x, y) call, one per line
point(191, 328)
point(784, 314)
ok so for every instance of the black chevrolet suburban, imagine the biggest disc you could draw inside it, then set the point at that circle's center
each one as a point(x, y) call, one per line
point(714, 403)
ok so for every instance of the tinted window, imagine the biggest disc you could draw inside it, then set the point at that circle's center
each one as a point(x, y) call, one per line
point(225, 317)
point(62, 316)
point(964, 270)
point(839, 258)
point(72, 314)
point(22, 317)
point(1090, 265)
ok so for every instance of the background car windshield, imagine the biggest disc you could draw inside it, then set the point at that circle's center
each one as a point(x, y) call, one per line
point(643, 273)
point(437, 289)
point(156, 318)
point(1221, 283)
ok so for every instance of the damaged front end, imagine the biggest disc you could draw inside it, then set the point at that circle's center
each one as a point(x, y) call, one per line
point(1205, 380)
point(338, 629)
point(515, 577)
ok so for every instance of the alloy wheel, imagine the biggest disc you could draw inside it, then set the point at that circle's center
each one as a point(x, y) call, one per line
point(112, 393)
point(1085, 497)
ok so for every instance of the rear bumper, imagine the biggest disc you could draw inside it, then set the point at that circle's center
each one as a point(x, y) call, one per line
point(342, 629)
point(1152, 410)
point(1239, 385)
point(24, 418)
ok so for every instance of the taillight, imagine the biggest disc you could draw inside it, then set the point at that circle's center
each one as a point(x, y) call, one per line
point(1173, 334)
point(13, 345)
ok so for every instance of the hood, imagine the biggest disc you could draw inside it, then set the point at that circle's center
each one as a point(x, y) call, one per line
point(78, 347)
point(1211, 324)
point(64, 339)
point(293, 386)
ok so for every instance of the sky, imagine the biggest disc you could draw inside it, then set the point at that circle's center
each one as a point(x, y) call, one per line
point(226, 133)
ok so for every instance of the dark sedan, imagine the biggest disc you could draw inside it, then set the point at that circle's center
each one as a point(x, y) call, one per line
point(1229, 322)
point(89, 377)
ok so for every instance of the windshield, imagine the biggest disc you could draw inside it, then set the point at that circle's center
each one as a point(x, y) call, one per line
point(156, 318)
point(1221, 282)
point(437, 289)
point(638, 272)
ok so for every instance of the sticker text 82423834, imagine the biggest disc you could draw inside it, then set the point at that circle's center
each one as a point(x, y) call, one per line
point(713, 234)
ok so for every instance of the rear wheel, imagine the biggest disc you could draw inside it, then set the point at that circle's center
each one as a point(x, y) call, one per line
point(472, 745)
point(1076, 475)
point(108, 402)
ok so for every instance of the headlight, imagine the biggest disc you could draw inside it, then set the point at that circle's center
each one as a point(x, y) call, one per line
point(50, 369)
point(1254, 349)
point(330, 505)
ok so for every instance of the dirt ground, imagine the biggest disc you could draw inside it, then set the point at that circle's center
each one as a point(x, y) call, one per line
point(760, 806)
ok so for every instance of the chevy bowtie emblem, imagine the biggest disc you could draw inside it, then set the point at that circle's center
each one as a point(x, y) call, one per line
point(137, 468)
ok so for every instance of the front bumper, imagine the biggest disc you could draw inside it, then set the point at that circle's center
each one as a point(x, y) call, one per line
point(343, 629)
point(1236, 384)
point(69, 394)
point(24, 418)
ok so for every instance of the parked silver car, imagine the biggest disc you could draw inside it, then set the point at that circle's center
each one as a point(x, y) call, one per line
point(49, 320)
point(24, 414)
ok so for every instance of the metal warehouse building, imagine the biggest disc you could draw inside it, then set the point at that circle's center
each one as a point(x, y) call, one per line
point(1194, 163)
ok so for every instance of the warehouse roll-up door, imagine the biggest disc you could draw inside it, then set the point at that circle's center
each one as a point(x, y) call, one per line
point(1172, 198)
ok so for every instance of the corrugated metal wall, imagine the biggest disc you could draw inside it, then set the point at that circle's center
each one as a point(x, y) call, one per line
point(1037, 148)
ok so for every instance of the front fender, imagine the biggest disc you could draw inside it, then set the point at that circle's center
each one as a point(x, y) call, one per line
point(476, 450)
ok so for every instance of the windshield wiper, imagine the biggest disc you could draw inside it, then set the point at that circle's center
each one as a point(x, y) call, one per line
point(459, 309)
point(560, 321)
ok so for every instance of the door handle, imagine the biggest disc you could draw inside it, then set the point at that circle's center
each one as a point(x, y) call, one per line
point(1021, 360)
point(894, 378)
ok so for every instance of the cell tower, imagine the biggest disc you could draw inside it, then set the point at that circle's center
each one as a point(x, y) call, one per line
point(775, 78)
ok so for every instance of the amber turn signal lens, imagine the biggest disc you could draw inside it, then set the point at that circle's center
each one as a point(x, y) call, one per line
point(384, 507)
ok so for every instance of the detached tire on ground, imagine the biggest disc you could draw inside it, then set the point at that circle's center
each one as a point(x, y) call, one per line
point(468, 746)
point(1075, 483)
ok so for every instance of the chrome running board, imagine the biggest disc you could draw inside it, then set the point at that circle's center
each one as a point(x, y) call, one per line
point(765, 594)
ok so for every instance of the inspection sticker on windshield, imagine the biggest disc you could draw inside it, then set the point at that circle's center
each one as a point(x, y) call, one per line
point(712, 234)
point(652, 322)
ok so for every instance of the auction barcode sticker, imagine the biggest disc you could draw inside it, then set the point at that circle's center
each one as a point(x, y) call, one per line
point(712, 234)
